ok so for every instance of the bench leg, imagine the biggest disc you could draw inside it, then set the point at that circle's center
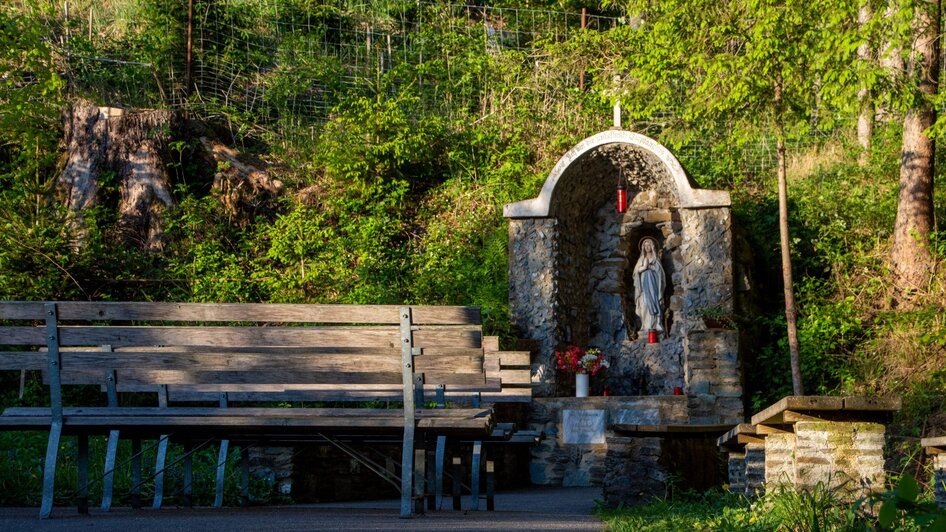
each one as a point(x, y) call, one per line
point(136, 473)
point(245, 476)
point(430, 484)
point(108, 479)
point(420, 461)
point(407, 471)
point(490, 486)
point(49, 469)
point(188, 473)
point(438, 466)
point(475, 477)
point(83, 479)
point(221, 471)
point(159, 472)
point(457, 487)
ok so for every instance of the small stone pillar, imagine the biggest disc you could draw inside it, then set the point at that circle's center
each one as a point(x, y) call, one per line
point(837, 441)
point(939, 479)
point(755, 469)
point(736, 465)
point(937, 448)
point(780, 459)
point(744, 461)
point(850, 454)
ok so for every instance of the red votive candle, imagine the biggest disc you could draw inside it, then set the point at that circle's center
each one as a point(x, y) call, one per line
point(677, 390)
point(622, 200)
point(651, 336)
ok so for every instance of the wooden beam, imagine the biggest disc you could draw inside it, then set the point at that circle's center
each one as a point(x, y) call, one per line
point(237, 312)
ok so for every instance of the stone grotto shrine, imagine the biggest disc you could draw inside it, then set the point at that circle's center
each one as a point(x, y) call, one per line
point(571, 281)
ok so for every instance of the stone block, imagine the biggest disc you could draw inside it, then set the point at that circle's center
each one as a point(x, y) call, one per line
point(736, 466)
point(780, 459)
point(845, 455)
point(755, 469)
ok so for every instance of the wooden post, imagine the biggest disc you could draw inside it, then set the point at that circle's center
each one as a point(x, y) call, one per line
point(584, 21)
point(457, 481)
point(190, 31)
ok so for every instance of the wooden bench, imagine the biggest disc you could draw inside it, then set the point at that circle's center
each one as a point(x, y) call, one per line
point(796, 427)
point(936, 448)
point(185, 352)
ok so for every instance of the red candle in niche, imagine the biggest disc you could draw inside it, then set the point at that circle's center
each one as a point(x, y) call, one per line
point(652, 337)
point(677, 390)
point(622, 199)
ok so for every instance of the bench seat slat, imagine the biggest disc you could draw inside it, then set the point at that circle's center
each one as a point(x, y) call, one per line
point(274, 360)
point(222, 336)
point(282, 376)
point(239, 312)
point(98, 411)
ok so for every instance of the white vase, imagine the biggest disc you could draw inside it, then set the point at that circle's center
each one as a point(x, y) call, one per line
point(581, 385)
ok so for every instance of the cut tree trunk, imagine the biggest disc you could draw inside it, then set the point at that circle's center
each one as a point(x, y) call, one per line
point(910, 259)
point(130, 144)
point(86, 134)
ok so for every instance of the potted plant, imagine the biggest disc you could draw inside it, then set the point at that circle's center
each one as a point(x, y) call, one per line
point(717, 317)
point(583, 363)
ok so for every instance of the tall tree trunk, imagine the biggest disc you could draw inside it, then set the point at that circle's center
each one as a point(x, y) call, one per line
point(865, 122)
point(910, 258)
point(791, 313)
point(890, 58)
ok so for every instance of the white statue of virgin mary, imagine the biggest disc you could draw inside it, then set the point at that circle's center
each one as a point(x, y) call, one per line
point(649, 283)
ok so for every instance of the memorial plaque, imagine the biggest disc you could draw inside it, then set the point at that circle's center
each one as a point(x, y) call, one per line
point(583, 426)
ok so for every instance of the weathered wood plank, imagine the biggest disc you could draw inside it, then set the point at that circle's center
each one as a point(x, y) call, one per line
point(797, 403)
point(284, 377)
point(490, 343)
point(20, 335)
point(249, 411)
point(872, 404)
point(731, 436)
point(515, 376)
point(19, 360)
point(274, 360)
point(669, 429)
point(239, 312)
point(521, 359)
point(374, 336)
point(935, 445)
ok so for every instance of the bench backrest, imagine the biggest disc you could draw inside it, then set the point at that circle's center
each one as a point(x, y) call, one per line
point(252, 351)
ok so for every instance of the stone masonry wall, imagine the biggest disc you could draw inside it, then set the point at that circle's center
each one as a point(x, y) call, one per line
point(845, 455)
point(555, 463)
point(533, 247)
point(712, 376)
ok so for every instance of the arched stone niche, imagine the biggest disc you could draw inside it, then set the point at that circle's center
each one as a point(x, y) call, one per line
point(571, 258)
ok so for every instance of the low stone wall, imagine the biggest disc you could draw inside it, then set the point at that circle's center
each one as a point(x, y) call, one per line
point(557, 461)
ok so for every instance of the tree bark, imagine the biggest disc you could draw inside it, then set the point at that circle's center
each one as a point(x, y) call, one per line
point(910, 259)
point(240, 186)
point(890, 59)
point(131, 144)
point(865, 122)
point(791, 313)
point(86, 132)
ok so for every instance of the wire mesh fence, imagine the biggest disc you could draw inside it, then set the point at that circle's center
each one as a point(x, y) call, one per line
point(284, 65)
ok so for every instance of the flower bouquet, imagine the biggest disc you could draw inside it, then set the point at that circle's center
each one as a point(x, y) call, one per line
point(582, 363)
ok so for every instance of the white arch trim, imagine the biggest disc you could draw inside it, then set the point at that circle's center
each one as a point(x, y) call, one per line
point(690, 198)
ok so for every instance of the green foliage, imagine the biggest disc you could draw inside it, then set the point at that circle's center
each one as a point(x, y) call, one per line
point(902, 509)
